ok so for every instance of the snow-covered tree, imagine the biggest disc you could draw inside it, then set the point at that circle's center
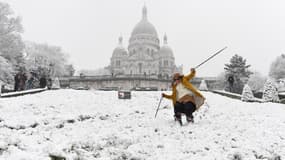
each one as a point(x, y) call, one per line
point(220, 82)
point(256, 82)
point(247, 94)
point(237, 74)
point(47, 60)
point(277, 69)
point(6, 70)
point(11, 44)
point(69, 70)
point(270, 92)
point(281, 85)
point(203, 86)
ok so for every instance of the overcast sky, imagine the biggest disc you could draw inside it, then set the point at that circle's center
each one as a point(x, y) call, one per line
point(88, 30)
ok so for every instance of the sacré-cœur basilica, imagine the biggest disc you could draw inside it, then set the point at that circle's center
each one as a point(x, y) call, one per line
point(143, 64)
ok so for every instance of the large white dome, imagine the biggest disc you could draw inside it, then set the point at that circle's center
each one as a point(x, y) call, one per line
point(144, 26)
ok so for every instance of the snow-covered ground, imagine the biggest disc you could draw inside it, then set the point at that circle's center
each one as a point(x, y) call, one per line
point(87, 125)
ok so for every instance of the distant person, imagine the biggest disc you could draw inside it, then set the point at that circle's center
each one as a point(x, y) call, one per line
point(231, 83)
point(49, 83)
point(16, 81)
point(22, 82)
point(30, 81)
point(43, 82)
point(185, 97)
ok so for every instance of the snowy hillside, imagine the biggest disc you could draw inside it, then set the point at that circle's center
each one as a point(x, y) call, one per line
point(89, 125)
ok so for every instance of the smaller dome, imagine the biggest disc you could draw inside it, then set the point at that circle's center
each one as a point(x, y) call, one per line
point(120, 50)
point(165, 50)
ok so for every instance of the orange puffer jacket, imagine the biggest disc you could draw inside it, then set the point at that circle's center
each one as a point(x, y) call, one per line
point(198, 97)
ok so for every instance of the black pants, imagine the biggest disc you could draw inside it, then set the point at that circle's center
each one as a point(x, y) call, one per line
point(186, 108)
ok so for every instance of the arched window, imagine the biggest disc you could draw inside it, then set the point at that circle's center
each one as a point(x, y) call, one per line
point(118, 63)
point(140, 67)
point(165, 63)
point(166, 75)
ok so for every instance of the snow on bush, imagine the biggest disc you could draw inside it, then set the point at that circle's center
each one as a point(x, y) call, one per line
point(55, 83)
point(270, 92)
point(247, 94)
point(203, 86)
point(256, 82)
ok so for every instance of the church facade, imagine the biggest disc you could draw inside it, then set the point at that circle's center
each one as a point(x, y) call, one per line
point(145, 64)
point(144, 56)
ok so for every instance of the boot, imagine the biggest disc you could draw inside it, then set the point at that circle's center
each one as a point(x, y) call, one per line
point(190, 119)
point(178, 118)
point(180, 122)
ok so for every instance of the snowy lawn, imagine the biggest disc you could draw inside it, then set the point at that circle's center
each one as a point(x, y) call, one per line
point(87, 125)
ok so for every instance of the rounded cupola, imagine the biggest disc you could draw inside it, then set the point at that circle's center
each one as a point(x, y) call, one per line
point(165, 50)
point(120, 50)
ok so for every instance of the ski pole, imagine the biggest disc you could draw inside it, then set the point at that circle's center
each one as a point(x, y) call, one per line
point(210, 57)
point(158, 106)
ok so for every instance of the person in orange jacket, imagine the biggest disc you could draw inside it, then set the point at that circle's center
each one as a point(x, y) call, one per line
point(185, 97)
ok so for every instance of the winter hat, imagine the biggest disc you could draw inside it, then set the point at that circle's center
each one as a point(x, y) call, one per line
point(177, 76)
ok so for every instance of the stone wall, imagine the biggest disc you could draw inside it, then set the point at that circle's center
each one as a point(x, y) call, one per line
point(126, 83)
